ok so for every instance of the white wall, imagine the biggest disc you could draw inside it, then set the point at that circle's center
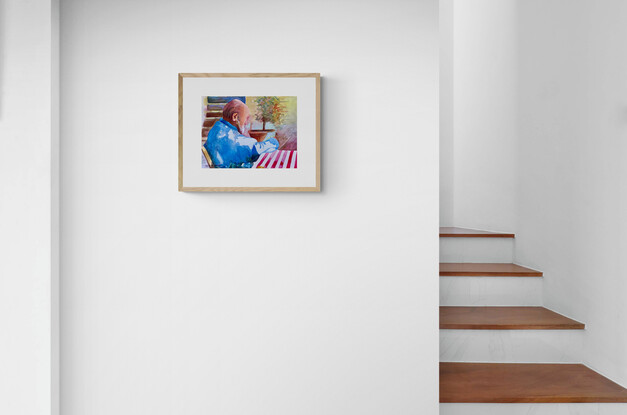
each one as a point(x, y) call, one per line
point(479, 114)
point(319, 303)
point(447, 112)
point(572, 170)
point(27, 208)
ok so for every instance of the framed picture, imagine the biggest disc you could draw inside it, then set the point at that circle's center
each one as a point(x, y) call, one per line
point(253, 132)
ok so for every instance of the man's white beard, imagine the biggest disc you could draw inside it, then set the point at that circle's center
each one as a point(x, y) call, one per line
point(243, 129)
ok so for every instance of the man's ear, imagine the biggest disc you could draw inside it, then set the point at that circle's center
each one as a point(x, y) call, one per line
point(235, 117)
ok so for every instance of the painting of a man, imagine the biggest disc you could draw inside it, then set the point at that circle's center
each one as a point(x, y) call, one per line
point(229, 144)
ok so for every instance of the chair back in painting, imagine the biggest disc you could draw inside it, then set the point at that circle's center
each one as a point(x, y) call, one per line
point(207, 157)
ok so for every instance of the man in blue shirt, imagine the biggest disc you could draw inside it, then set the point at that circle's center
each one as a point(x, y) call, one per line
point(228, 142)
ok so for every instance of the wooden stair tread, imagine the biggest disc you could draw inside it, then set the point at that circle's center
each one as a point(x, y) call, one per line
point(468, 269)
point(505, 318)
point(454, 232)
point(526, 383)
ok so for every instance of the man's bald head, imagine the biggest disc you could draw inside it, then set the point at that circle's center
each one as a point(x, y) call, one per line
point(236, 112)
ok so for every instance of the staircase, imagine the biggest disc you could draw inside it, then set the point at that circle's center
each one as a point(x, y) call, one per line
point(501, 352)
point(212, 111)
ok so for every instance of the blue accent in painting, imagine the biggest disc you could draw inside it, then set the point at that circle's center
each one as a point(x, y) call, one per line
point(228, 148)
point(224, 100)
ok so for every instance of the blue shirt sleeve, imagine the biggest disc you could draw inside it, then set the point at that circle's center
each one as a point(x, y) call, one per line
point(267, 146)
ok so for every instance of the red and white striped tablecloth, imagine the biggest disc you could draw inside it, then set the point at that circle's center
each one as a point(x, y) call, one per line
point(282, 159)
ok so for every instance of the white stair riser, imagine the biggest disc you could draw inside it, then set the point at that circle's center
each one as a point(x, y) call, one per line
point(511, 346)
point(533, 409)
point(490, 291)
point(476, 249)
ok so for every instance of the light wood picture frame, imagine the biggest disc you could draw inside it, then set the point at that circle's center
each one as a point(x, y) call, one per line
point(249, 132)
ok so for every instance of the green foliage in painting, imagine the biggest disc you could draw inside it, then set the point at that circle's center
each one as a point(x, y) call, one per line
point(270, 109)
